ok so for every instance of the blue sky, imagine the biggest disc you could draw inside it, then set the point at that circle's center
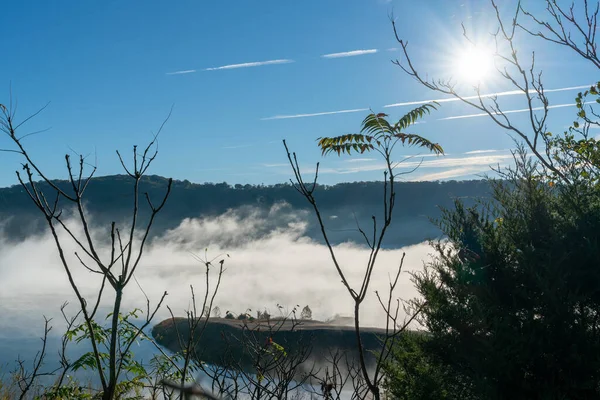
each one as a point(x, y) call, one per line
point(109, 70)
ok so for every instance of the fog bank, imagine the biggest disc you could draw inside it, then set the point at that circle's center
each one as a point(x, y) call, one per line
point(271, 261)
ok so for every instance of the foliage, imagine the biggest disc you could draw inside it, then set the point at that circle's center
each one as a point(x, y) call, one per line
point(245, 317)
point(378, 133)
point(128, 333)
point(229, 315)
point(71, 390)
point(263, 315)
point(511, 299)
point(576, 151)
point(306, 313)
point(414, 374)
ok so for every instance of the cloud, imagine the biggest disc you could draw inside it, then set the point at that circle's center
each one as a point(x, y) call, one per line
point(250, 64)
point(446, 162)
point(488, 95)
point(451, 173)
point(481, 151)
point(315, 114)
point(355, 160)
point(271, 260)
point(446, 100)
point(522, 110)
point(352, 53)
point(187, 71)
point(275, 165)
point(483, 161)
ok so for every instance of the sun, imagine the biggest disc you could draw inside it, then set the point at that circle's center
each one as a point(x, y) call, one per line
point(473, 65)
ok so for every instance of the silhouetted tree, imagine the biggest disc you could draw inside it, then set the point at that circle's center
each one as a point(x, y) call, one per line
point(306, 313)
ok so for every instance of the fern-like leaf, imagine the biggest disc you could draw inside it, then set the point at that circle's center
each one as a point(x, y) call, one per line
point(376, 125)
point(408, 139)
point(412, 116)
point(346, 144)
point(376, 131)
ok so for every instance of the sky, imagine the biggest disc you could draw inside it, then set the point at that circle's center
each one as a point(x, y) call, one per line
point(242, 76)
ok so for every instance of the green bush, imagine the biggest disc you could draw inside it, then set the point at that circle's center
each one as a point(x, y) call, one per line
point(511, 299)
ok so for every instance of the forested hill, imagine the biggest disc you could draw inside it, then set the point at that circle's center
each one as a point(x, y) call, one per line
point(110, 198)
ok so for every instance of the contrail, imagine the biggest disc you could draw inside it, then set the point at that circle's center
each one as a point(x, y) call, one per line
point(483, 96)
point(511, 111)
point(250, 64)
point(315, 114)
point(187, 71)
point(350, 53)
point(447, 100)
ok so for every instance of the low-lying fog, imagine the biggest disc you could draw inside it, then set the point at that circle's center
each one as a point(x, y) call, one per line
point(271, 261)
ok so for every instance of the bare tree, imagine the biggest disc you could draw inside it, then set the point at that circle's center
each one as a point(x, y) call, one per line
point(306, 313)
point(271, 366)
point(568, 26)
point(377, 134)
point(189, 390)
point(126, 247)
point(331, 381)
point(64, 361)
point(189, 341)
point(27, 379)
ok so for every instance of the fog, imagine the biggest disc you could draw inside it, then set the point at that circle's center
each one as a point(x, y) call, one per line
point(269, 260)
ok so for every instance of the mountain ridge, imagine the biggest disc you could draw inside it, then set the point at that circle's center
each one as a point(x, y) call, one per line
point(109, 198)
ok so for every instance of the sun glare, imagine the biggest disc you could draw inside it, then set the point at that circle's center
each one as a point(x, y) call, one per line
point(473, 65)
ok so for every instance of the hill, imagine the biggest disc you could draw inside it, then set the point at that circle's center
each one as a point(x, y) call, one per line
point(109, 198)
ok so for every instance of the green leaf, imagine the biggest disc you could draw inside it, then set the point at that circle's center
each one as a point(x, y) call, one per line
point(377, 132)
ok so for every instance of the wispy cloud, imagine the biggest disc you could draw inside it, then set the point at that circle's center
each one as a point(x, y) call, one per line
point(250, 64)
point(476, 162)
point(481, 151)
point(234, 66)
point(355, 160)
point(451, 173)
point(484, 96)
point(447, 162)
point(187, 71)
point(275, 165)
point(447, 100)
point(314, 114)
point(350, 53)
point(522, 110)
